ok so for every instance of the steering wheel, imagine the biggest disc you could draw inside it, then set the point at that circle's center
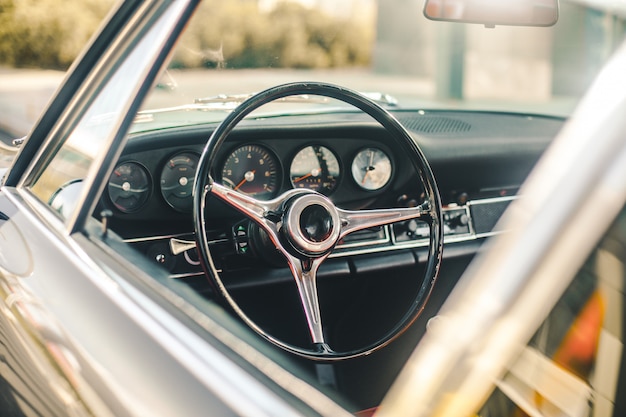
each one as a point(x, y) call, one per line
point(305, 226)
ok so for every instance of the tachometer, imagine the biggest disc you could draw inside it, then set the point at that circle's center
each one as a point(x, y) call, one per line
point(177, 179)
point(129, 186)
point(316, 168)
point(371, 169)
point(252, 170)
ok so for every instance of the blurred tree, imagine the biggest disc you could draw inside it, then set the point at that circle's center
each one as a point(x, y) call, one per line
point(236, 34)
point(47, 33)
point(233, 34)
point(6, 23)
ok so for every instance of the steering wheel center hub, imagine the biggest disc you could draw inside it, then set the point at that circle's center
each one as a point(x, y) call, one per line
point(312, 225)
point(316, 223)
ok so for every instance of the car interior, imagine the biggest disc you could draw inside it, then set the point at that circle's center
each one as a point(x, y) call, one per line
point(325, 226)
point(392, 203)
point(370, 280)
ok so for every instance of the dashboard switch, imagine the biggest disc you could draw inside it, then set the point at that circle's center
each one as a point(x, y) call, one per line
point(240, 237)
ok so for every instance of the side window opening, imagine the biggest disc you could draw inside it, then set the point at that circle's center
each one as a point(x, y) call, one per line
point(573, 364)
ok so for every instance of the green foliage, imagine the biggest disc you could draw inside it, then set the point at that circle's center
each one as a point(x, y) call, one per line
point(236, 34)
point(47, 33)
point(233, 34)
point(6, 12)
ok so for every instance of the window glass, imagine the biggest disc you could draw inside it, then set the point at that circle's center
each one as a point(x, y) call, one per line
point(88, 141)
point(571, 365)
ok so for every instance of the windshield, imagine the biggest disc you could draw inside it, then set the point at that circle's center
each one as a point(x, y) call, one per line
point(386, 49)
point(240, 47)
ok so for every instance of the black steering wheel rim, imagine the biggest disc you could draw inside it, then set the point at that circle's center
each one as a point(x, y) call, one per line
point(204, 185)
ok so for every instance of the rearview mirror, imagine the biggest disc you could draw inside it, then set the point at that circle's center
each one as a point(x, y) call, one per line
point(494, 12)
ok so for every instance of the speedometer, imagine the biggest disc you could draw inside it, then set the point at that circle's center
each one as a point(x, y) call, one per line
point(252, 170)
point(315, 167)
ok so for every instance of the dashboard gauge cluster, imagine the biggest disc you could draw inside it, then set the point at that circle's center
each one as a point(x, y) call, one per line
point(256, 170)
point(261, 170)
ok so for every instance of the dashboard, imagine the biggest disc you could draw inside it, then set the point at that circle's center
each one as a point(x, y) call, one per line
point(479, 160)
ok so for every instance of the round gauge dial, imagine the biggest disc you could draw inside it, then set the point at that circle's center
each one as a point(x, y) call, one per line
point(252, 170)
point(177, 178)
point(129, 186)
point(371, 169)
point(316, 168)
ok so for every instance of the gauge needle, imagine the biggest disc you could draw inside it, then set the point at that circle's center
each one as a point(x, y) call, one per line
point(313, 173)
point(368, 168)
point(302, 177)
point(249, 176)
point(367, 171)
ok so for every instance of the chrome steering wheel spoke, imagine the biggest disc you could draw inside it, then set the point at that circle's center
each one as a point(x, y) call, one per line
point(268, 215)
point(261, 212)
point(352, 221)
point(304, 272)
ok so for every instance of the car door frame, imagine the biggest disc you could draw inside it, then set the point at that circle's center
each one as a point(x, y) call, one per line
point(86, 275)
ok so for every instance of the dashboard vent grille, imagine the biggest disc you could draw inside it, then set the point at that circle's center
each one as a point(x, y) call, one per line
point(434, 124)
point(486, 213)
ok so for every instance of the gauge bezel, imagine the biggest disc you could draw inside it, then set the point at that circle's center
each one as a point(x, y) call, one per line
point(145, 197)
point(334, 154)
point(391, 169)
point(175, 204)
point(274, 157)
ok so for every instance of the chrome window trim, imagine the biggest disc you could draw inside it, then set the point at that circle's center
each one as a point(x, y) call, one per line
point(144, 20)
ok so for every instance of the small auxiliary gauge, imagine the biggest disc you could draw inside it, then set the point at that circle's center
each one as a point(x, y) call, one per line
point(177, 178)
point(129, 186)
point(371, 169)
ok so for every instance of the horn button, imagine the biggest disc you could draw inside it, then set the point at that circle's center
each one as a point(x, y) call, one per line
point(316, 223)
point(312, 225)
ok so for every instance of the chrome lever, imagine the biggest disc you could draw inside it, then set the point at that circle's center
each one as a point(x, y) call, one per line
point(178, 246)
